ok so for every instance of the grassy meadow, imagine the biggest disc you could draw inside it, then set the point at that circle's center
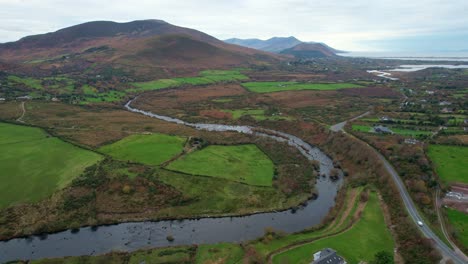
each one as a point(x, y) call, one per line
point(205, 77)
point(243, 163)
point(151, 149)
point(269, 87)
point(35, 165)
point(459, 222)
point(360, 243)
point(396, 130)
point(450, 162)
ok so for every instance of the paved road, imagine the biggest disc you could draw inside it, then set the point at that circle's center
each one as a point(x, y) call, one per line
point(408, 202)
point(341, 125)
point(413, 212)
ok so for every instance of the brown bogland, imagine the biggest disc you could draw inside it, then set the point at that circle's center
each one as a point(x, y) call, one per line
point(176, 98)
point(384, 92)
point(298, 99)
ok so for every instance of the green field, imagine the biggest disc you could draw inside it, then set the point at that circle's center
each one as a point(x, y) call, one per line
point(268, 87)
point(162, 256)
point(243, 163)
point(450, 162)
point(362, 128)
point(29, 82)
point(34, 165)
point(367, 237)
point(459, 222)
point(224, 196)
point(396, 130)
point(110, 96)
point(205, 77)
point(225, 253)
point(257, 114)
point(151, 149)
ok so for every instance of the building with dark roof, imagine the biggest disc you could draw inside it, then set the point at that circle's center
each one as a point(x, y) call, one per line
point(382, 129)
point(327, 256)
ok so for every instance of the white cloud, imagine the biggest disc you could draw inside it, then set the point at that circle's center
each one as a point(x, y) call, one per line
point(343, 24)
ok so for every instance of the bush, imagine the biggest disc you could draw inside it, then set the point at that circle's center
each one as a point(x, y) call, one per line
point(126, 189)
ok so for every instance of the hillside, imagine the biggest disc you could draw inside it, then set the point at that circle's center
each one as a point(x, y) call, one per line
point(309, 50)
point(143, 43)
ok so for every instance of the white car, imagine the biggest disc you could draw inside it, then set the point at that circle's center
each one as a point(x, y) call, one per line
point(420, 223)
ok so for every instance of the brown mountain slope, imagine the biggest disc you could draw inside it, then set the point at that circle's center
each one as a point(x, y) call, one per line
point(144, 43)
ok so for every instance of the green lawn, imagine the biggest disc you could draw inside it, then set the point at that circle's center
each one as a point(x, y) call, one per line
point(151, 149)
point(459, 222)
point(369, 236)
point(268, 87)
point(34, 165)
point(257, 114)
point(450, 162)
point(225, 253)
point(243, 163)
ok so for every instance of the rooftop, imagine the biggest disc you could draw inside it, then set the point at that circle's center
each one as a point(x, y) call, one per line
point(327, 256)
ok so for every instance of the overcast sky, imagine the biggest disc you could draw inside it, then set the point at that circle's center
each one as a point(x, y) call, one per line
point(395, 25)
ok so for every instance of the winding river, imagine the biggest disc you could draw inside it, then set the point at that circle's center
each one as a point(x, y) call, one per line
point(132, 236)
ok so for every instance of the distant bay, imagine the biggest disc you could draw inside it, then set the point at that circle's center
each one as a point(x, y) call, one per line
point(461, 56)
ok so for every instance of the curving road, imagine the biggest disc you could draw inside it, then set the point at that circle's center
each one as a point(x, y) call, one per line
point(411, 207)
point(413, 212)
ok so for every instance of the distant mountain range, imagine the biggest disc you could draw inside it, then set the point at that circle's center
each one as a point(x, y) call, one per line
point(287, 45)
point(144, 45)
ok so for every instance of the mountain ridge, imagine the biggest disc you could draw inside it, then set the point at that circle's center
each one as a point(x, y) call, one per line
point(132, 45)
point(282, 44)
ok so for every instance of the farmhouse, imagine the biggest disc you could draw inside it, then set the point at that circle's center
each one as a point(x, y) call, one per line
point(446, 110)
point(411, 141)
point(25, 97)
point(382, 130)
point(385, 119)
point(327, 256)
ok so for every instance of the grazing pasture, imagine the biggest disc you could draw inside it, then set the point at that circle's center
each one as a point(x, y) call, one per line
point(151, 149)
point(242, 163)
point(459, 222)
point(34, 165)
point(396, 130)
point(450, 162)
point(205, 77)
point(269, 87)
